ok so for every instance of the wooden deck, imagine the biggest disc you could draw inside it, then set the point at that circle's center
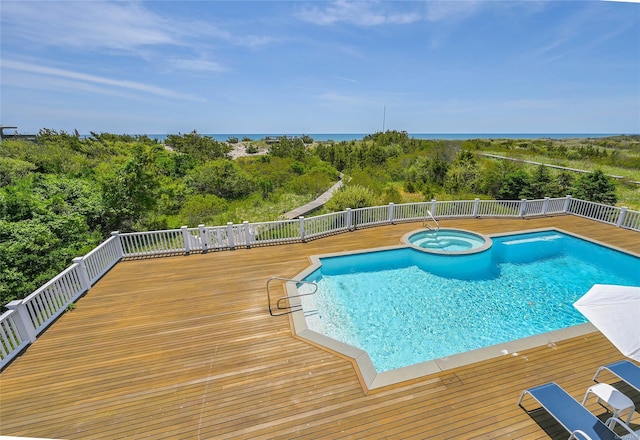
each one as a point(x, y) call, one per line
point(184, 347)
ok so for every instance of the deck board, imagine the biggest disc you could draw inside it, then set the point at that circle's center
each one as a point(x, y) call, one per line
point(184, 347)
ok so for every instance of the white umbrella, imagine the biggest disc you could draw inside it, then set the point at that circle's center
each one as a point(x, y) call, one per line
point(615, 311)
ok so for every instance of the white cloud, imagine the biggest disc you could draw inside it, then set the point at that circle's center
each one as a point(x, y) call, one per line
point(195, 64)
point(85, 24)
point(358, 13)
point(451, 10)
point(344, 78)
point(121, 27)
point(251, 40)
point(83, 79)
point(374, 13)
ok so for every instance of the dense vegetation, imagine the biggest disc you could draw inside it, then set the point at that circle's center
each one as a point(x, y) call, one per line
point(63, 194)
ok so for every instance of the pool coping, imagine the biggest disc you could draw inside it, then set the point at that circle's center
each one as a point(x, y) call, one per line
point(371, 379)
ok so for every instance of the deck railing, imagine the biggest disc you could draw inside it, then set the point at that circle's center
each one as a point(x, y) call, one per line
point(28, 317)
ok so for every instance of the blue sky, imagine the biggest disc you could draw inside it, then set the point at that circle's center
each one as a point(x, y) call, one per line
point(321, 66)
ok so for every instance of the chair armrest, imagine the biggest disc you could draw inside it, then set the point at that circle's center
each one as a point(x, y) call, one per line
point(579, 435)
point(612, 421)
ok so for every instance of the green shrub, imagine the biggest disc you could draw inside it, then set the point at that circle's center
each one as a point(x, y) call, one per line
point(202, 209)
point(352, 196)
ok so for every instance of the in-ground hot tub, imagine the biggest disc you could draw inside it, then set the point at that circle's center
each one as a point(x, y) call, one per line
point(447, 241)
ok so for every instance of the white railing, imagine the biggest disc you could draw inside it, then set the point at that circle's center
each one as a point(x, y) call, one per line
point(377, 215)
point(326, 224)
point(27, 318)
point(152, 242)
point(12, 337)
point(101, 259)
point(410, 212)
point(629, 219)
point(556, 206)
point(275, 232)
point(503, 208)
point(455, 209)
point(596, 211)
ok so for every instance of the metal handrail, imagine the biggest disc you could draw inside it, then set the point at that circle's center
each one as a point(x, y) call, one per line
point(425, 222)
point(289, 308)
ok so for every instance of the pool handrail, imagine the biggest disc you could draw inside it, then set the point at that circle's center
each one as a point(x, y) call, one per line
point(425, 222)
point(291, 307)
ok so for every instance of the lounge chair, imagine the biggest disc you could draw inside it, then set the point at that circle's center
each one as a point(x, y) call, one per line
point(625, 370)
point(630, 435)
point(575, 418)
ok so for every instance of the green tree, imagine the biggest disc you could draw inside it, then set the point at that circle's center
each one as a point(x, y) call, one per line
point(223, 178)
point(44, 223)
point(202, 209)
point(48, 156)
point(426, 173)
point(564, 183)
point(515, 185)
point(596, 187)
point(129, 192)
point(202, 148)
point(372, 178)
point(391, 194)
point(540, 184)
point(313, 183)
point(287, 147)
point(389, 137)
point(12, 170)
point(463, 175)
point(493, 174)
point(438, 169)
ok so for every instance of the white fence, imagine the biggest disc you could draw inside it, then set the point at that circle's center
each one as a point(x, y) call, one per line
point(27, 318)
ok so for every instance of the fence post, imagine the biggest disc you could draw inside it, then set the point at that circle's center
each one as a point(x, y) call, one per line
point(476, 204)
point(433, 207)
point(119, 246)
point(391, 213)
point(83, 274)
point(545, 205)
point(187, 239)
point(247, 233)
point(232, 242)
point(22, 320)
point(301, 218)
point(567, 203)
point(623, 213)
point(204, 238)
point(347, 214)
point(523, 207)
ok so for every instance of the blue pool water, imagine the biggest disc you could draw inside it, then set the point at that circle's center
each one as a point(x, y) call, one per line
point(403, 306)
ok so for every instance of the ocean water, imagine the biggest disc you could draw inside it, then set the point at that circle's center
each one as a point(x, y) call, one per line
point(339, 137)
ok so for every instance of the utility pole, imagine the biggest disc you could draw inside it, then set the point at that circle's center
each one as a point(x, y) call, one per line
point(384, 116)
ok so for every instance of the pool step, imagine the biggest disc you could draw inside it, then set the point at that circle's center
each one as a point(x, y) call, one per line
point(532, 240)
point(435, 243)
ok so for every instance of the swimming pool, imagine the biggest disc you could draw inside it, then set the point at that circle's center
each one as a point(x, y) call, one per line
point(404, 307)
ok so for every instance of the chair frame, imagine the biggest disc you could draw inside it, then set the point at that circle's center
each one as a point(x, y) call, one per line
point(602, 431)
point(611, 368)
